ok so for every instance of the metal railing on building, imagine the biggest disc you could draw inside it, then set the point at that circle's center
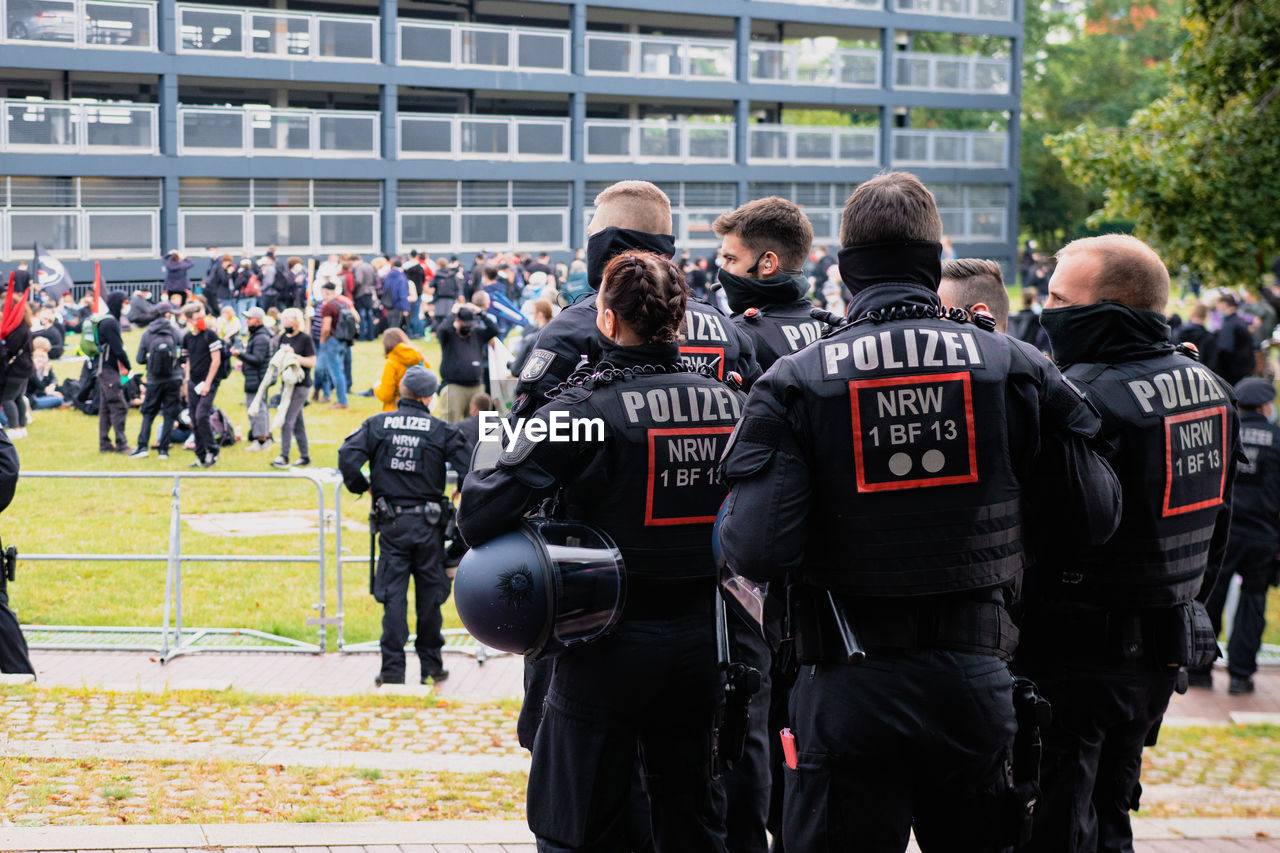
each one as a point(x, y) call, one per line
point(962, 148)
point(298, 230)
point(266, 132)
point(801, 145)
point(939, 72)
point(75, 127)
point(627, 55)
point(110, 24)
point(268, 34)
point(81, 232)
point(445, 229)
point(458, 45)
point(792, 64)
point(863, 5)
point(992, 10)
point(469, 137)
point(649, 141)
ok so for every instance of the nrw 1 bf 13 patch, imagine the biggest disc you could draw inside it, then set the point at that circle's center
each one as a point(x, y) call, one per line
point(911, 432)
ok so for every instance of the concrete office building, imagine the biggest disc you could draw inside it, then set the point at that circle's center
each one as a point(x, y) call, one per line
point(133, 127)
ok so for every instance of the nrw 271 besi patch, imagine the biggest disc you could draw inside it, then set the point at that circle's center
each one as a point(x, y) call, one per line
point(537, 365)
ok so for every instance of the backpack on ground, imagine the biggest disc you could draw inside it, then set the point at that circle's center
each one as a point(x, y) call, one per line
point(224, 431)
point(348, 320)
point(89, 343)
point(162, 356)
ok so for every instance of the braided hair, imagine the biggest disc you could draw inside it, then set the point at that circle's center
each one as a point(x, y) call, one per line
point(647, 293)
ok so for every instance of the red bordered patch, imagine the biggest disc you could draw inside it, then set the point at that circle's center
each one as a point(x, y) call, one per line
point(684, 485)
point(1195, 453)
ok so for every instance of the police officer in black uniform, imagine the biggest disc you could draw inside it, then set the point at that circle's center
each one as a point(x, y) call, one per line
point(1108, 626)
point(887, 470)
point(1254, 539)
point(764, 244)
point(407, 450)
point(651, 485)
point(629, 215)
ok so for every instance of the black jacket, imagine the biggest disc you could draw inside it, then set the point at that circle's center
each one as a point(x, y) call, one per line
point(254, 357)
point(110, 344)
point(463, 359)
point(898, 458)
point(161, 325)
point(56, 337)
point(406, 450)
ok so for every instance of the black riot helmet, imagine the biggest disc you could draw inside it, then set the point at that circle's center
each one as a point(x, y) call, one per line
point(544, 587)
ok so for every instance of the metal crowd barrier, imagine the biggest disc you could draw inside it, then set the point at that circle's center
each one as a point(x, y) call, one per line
point(171, 641)
point(456, 640)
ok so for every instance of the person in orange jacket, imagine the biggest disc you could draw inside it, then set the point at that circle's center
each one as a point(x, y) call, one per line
point(401, 355)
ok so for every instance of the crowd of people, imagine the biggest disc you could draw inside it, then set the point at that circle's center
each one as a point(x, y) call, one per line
point(948, 530)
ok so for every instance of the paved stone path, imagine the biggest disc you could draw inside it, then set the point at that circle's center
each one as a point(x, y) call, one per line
point(1186, 835)
point(499, 677)
point(144, 725)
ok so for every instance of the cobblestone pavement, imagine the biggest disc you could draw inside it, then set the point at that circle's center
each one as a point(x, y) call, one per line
point(435, 726)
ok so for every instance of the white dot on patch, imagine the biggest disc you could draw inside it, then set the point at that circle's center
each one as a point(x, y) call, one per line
point(933, 461)
point(900, 464)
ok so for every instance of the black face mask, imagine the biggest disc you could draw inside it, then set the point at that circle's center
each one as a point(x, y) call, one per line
point(604, 245)
point(1106, 332)
point(908, 261)
point(742, 292)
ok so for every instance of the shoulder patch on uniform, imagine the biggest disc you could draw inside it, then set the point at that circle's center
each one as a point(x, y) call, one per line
point(536, 367)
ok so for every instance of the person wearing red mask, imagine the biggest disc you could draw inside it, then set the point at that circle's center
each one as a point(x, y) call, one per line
point(202, 352)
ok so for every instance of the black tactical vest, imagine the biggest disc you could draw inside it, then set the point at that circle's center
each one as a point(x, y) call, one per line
point(1173, 426)
point(778, 330)
point(1255, 505)
point(919, 435)
point(653, 482)
point(571, 339)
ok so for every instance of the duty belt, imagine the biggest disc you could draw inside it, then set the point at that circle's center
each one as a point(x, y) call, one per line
point(976, 627)
point(431, 512)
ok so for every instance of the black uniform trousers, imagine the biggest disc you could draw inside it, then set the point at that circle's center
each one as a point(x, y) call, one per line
point(200, 410)
point(1103, 714)
point(14, 657)
point(907, 738)
point(162, 397)
point(747, 786)
point(410, 549)
point(650, 689)
point(1255, 562)
point(112, 409)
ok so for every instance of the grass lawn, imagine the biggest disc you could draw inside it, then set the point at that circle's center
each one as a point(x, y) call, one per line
point(132, 517)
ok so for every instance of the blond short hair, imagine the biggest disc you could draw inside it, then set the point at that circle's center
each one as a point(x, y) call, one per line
point(1129, 271)
point(294, 314)
point(636, 205)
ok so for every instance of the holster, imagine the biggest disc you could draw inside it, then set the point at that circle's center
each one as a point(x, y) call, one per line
point(1033, 714)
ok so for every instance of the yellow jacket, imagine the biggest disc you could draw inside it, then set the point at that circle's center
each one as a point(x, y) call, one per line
point(398, 361)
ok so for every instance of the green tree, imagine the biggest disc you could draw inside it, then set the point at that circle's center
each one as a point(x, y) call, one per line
point(1103, 71)
point(1197, 170)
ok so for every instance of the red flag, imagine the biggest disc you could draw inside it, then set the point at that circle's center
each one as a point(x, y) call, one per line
point(13, 311)
point(97, 285)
